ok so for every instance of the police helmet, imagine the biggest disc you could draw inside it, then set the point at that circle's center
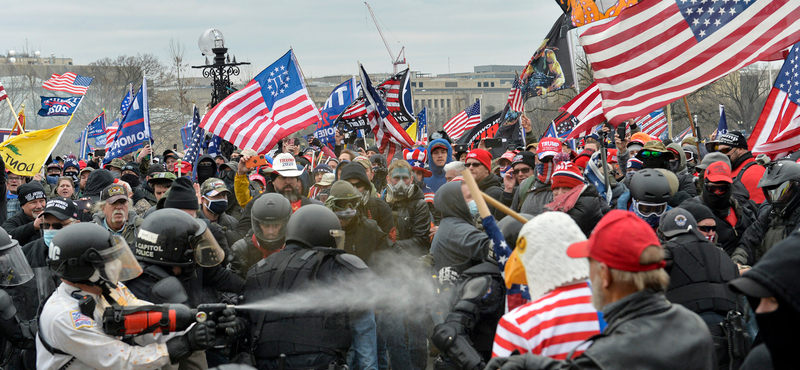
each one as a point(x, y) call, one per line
point(14, 268)
point(87, 253)
point(171, 237)
point(269, 215)
point(315, 226)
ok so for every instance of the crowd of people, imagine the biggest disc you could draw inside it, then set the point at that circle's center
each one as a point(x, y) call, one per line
point(638, 253)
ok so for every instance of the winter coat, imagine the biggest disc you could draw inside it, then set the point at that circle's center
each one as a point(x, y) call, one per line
point(97, 181)
point(438, 179)
point(457, 243)
point(644, 331)
point(376, 208)
point(245, 253)
point(492, 185)
point(728, 235)
point(588, 210)
point(412, 219)
point(227, 224)
point(750, 177)
point(216, 278)
point(20, 227)
point(363, 237)
point(538, 194)
point(766, 231)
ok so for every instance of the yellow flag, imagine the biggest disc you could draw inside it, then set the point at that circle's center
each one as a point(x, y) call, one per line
point(25, 154)
point(412, 131)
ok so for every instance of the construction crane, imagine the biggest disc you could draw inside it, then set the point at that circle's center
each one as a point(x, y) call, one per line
point(395, 60)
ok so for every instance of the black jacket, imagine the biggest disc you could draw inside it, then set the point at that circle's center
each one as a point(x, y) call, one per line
point(644, 331)
point(588, 210)
point(20, 227)
point(766, 231)
point(728, 235)
point(413, 220)
point(244, 253)
point(363, 237)
point(216, 278)
point(493, 187)
point(36, 253)
point(457, 243)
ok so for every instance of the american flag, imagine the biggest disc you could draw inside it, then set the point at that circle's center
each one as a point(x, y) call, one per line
point(111, 134)
point(658, 51)
point(68, 82)
point(515, 101)
point(682, 135)
point(587, 107)
point(3, 93)
point(198, 134)
point(395, 91)
point(463, 121)
point(388, 132)
point(778, 127)
point(422, 126)
point(653, 124)
point(275, 104)
point(126, 102)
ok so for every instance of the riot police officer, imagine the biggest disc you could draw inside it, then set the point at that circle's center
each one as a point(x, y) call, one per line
point(698, 272)
point(92, 263)
point(308, 340)
point(14, 331)
point(269, 214)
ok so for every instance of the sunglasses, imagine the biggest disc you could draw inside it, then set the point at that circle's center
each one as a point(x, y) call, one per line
point(525, 170)
point(648, 154)
point(58, 226)
point(718, 189)
point(706, 229)
point(472, 165)
point(725, 150)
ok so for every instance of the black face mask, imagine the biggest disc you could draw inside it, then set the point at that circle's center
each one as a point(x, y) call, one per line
point(131, 179)
point(204, 171)
point(653, 162)
point(777, 329)
point(719, 203)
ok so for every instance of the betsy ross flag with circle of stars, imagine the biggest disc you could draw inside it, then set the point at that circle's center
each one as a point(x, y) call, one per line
point(656, 52)
point(778, 127)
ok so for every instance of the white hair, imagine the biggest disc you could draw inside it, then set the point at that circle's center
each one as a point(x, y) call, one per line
point(454, 166)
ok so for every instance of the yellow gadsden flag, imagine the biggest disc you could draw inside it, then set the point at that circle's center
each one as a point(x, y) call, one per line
point(25, 154)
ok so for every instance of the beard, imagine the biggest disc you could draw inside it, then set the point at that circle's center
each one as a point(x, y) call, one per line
point(598, 298)
point(291, 193)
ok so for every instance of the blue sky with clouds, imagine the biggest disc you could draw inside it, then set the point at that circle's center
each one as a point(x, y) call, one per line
point(329, 37)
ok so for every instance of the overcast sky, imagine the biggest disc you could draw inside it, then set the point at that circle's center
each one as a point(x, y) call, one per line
point(328, 37)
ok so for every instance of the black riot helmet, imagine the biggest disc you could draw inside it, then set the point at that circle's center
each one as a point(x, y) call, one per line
point(781, 186)
point(171, 237)
point(14, 268)
point(269, 215)
point(650, 186)
point(87, 253)
point(314, 225)
point(510, 228)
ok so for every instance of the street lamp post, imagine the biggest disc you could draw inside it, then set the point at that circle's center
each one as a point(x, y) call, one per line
point(212, 43)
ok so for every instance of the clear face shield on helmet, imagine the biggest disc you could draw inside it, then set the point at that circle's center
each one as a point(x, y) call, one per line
point(119, 262)
point(338, 236)
point(269, 231)
point(14, 268)
point(207, 252)
point(779, 196)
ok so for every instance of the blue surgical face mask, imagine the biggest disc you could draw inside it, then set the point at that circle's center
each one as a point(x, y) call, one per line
point(47, 236)
point(52, 180)
point(473, 208)
point(217, 206)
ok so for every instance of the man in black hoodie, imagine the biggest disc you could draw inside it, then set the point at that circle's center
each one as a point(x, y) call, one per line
point(773, 288)
point(97, 181)
point(206, 168)
point(371, 206)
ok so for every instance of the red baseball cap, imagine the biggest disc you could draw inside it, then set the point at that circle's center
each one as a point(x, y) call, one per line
point(548, 146)
point(719, 172)
point(482, 156)
point(618, 240)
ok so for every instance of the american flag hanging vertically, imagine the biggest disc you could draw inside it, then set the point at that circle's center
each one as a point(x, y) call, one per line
point(515, 101)
point(778, 128)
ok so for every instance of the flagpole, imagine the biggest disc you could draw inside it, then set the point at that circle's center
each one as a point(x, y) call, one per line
point(16, 118)
point(691, 122)
point(669, 120)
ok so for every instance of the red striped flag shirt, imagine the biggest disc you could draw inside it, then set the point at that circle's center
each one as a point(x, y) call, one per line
point(655, 52)
point(464, 121)
point(551, 326)
point(587, 107)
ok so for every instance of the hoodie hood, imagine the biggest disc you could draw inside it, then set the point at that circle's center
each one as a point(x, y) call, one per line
point(212, 172)
point(449, 200)
point(97, 181)
point(542, 250)
point(354, 171)
point(677, 147)
point(438, 179)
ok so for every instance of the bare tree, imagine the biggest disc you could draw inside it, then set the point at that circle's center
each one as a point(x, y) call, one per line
point(177, 51)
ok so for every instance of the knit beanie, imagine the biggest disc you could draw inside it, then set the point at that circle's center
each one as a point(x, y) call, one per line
point(566, 174)
point(30, 191)
point(181, 195)
point(634, 163)
point(482, 156)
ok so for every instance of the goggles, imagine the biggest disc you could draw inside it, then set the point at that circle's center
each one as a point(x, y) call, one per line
point(718, 189)
point(649, 209)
